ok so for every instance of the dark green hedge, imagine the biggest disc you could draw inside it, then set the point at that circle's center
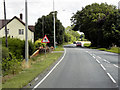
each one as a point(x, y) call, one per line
point(17, 47)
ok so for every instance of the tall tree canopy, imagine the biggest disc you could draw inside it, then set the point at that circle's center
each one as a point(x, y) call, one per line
point(45, 26)
point(100, 24)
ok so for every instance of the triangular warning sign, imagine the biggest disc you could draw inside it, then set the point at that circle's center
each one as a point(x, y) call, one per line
point(45, 40)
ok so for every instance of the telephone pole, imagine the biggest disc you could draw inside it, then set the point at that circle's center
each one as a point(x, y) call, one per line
point(5, 24)
point(54, 24)
point(26, 32)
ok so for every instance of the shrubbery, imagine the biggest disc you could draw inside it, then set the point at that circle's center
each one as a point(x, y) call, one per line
point(39, 44)
point(17, 47)
point(13, 56)
point(11, 65)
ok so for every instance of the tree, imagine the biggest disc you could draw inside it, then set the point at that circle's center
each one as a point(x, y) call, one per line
point(100, 24)
point(44, 26)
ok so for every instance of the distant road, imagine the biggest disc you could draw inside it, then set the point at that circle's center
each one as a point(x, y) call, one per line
point(84, 68)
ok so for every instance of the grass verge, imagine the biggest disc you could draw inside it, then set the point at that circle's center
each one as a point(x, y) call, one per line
point(60, 47)
point(38, 65)
point(113, 49)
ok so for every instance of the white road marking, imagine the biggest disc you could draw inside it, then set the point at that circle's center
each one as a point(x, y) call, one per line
point(87, 51)
point(104, 60)
point(102, 66)
point(50, 71)
point(115, 65)
point(99, 57)
point(111, 78)
point(107, 61)
point(93, 56)
point(98, 61)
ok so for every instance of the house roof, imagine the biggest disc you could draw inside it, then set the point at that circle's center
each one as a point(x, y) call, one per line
point(2, 23)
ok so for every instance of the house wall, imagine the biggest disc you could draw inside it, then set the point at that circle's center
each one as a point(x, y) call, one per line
point(14, 27)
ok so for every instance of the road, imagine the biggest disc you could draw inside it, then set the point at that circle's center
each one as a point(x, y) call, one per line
point(83, 68)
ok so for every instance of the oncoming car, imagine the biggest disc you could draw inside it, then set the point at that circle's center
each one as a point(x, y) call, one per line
point(78, 44)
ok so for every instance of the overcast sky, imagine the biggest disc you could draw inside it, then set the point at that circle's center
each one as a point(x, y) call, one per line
point(37, 8)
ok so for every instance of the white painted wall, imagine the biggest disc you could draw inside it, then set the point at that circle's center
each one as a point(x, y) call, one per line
point(14, 27)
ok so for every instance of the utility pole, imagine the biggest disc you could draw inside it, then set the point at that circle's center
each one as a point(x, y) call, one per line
point(5, 24)
point(43, 25)
point(26, 33)
point(54, 24)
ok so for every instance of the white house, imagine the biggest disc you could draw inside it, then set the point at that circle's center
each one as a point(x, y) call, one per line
point(16, 29)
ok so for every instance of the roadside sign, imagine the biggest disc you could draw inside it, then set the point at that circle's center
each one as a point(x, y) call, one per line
point(45, 40)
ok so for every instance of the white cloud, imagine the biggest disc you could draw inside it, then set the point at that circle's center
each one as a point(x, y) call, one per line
point(37, 8)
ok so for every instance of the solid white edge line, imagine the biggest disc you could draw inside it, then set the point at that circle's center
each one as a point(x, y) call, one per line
point(102, 66)
point(111, 78)
point(50, 71)
point(98, 61)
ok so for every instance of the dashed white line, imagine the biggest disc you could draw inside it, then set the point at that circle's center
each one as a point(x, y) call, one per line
point(102, 66)
point(98, 61)
point(93, 56)
point(50, 71)
point(107, 61)
point(115, 65)
point(111, 78)
point(99, 57)
point(104, 60)
point(87, 51)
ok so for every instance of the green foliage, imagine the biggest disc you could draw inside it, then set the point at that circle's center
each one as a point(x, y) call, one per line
point(70, 35)
point(42, 63)
point(11, 65)
point(87, 44)
point(100, 24)
point(17, 47)
point(39, 44)
point(44, 26)
point(5, 52)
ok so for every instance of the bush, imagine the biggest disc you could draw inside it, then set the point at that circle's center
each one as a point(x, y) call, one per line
point(5, 52)
point(87, 44)
point(11, 65)
point(39, 44)
point(102, 49)
point(17, 47)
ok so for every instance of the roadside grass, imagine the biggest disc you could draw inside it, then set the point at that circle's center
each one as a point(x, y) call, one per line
point(87, 44)
point(60, 47)
point(38, 65)
point(113, 49)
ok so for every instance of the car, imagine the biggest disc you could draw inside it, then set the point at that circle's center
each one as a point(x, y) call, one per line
point(78, 44)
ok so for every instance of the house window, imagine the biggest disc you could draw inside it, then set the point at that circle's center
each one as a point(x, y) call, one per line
point(21, 31)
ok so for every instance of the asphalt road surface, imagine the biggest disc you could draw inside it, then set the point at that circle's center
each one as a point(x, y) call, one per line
point(83, 68)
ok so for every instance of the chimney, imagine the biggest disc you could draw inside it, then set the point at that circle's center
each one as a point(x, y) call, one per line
point(21, 16)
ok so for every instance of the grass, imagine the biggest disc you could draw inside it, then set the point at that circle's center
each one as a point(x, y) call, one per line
point(39, 64)
point(60, 47)
point(113, 49)
point(87, 44)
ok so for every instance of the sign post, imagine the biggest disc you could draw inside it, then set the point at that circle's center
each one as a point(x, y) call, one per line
point(45, 40)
